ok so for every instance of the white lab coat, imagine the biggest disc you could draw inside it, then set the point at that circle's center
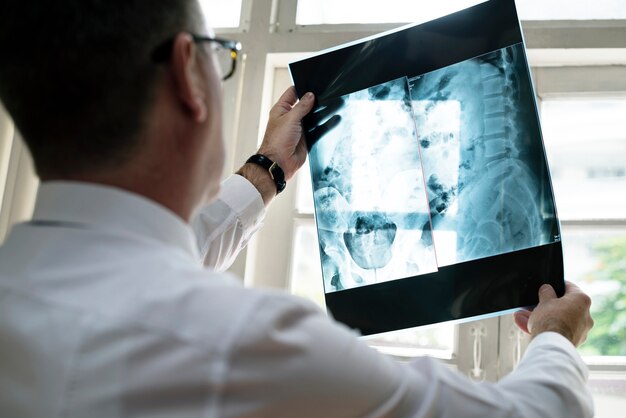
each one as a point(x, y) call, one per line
point(107, 311)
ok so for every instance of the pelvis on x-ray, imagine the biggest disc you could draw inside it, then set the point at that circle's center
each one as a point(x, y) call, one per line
point(369, 192)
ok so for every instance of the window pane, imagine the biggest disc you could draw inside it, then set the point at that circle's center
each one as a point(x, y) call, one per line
point(6, 140)
point(315, 12)
point(586, 146)
point(595, 259)
point(222, 13)
point(306, 272)
point(304, 198)
point(306, 281)
point(571, 10)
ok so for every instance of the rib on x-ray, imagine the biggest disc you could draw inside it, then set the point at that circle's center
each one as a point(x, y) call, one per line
point(481, 158)
point(371, 205)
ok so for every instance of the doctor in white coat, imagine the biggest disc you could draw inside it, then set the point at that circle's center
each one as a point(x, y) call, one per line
point(112, 303)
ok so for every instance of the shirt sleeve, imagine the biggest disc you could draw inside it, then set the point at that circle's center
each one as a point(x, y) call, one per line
point(291, 360)
point(224, 227)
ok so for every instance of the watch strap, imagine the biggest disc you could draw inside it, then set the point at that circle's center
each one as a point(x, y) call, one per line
point(276, 173)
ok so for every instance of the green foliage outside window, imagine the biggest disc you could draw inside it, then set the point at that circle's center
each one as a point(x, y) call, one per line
point(608, 336)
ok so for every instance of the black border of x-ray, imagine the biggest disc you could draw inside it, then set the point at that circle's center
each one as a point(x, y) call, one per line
point(475, 288)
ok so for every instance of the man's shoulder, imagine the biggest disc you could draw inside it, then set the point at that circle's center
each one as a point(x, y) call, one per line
point(201, 306)
point(137, 288)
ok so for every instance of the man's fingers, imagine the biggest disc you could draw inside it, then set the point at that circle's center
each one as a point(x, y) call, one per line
point(303, 107)
point(324, 112)
point(287, 104)
point(284, 104)
point(289, 97)
point(546, 293)
point(572, 288)
point(521, 320)
point(318, 132)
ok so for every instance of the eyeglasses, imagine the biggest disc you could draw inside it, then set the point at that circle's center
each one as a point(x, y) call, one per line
point(226, 52)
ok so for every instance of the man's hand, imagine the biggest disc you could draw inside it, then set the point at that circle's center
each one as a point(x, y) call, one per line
point(568, 315)
point(284, 141)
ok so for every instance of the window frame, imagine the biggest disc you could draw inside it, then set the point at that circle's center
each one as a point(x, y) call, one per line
point(18, 182)
point(558, 50)
point(245, 15)
point(6, 141)
point(288, 13)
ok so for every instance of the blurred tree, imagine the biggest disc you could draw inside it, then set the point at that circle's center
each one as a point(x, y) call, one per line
point(608, 336)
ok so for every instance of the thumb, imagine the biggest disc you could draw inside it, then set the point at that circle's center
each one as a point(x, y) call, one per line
point(303, 107)
point(546, 293)
point(521, 320)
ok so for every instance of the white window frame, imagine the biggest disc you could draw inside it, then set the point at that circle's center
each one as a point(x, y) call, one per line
point(558, 51)
point(568, 57)
point(18, 183)
point(590, 81)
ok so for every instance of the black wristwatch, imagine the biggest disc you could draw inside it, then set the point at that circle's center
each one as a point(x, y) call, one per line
point(276, 173)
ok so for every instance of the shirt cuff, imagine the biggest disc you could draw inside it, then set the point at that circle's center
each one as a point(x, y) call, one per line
point(243, 198)
point(553, 339)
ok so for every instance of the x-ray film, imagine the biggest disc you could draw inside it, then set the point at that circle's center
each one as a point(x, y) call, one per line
point(431, 190)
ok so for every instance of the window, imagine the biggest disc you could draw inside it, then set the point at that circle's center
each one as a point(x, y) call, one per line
point(571, 10)
point(583, 60)
point(586, 144)
point(316, 12)
point(573, 63)
point(222, 13)
point(18, 184)
point(6, 139)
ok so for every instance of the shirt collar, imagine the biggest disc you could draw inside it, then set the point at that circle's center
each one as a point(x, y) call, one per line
point(108, 208)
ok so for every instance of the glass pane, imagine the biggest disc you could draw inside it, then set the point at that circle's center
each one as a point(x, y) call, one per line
point(595, 259)
point(315, 12)
point(435, 340)
point(222, 13)
point(6, 140)
point(304, 199)
point(586, 146)
point(571, 10)
point(306, 281)
point(306, 274)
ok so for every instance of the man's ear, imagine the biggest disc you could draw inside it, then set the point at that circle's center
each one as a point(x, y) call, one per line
point(186, 69)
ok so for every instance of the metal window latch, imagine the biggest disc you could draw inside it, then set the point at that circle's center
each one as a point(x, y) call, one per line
point(477, 332)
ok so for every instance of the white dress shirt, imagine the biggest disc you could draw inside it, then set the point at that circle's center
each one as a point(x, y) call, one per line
point(107, 311)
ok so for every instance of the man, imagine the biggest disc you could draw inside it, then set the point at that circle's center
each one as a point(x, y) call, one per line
point(105, 307)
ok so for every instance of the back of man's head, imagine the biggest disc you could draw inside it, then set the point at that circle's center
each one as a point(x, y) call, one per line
point(77, 75)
